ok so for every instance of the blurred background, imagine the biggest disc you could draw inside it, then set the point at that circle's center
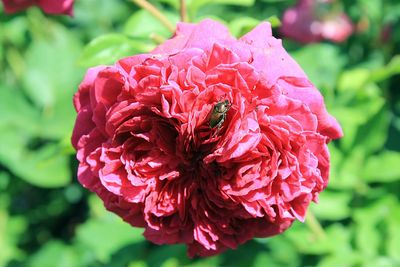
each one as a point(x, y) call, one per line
point(349, 50)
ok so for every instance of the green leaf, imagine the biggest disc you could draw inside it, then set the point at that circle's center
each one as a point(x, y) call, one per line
point(364, 121)
point(51, 66)
point(332, 205)
point(15, 31)
point(369, 238)
point(336, 157)
point(11, 229)
point(346, 260)
point(242, 25)
point(275, 21)
point(51, 79)
point(373, 135)
point(204, 262)
point(380, 262)
point(166, 254)
point(383, 167)
point(264, 259)
point(15, 111)
point(393, 237)
point(174, 3)
point(337, 239)
point(353, 80)
point(243, 256)
point(283, 251)
point(55, 254)
point(4, 182)
point(346, 169)
point(109, 48)
point(1, 47)
point(194, 5)
point(44, 167)
point(129, 255)
point(97, 17)
point(138, 264)
point(143, 24)
point(387, 71)
point(115, 233)
point(321, 72)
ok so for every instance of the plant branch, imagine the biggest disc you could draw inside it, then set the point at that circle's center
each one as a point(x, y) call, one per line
point(156, 13)
point(184, 15)
point(315, 226)
point(158, 39)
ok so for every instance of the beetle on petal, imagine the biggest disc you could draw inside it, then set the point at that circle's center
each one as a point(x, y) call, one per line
point(218, 114)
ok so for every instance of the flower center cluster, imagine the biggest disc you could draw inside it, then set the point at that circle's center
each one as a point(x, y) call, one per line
point(197, 146)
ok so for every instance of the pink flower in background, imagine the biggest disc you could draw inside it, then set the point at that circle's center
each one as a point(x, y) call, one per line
point(306, 23)
point(208, 140)
point(48, 6)
point(337, 28)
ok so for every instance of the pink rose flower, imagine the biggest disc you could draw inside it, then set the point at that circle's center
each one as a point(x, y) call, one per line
point(208, 140)
point(337, 28)
point(303, 23)
point(48, 6)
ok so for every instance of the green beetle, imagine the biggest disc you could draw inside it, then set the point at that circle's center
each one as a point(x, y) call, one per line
point(218, 114)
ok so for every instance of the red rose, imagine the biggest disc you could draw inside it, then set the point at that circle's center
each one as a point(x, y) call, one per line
point(48, 6)
point(304, 23)
point(208, 140)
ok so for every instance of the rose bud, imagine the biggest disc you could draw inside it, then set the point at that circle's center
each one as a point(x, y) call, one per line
point(48, 6)
point(207, 140)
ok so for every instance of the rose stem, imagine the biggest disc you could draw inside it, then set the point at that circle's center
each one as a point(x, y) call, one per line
point(158, 39)
point(156, 13)
point(315, 226)
point(184, 15)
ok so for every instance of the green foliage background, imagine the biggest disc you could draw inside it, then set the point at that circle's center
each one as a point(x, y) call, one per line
point(47, 219)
